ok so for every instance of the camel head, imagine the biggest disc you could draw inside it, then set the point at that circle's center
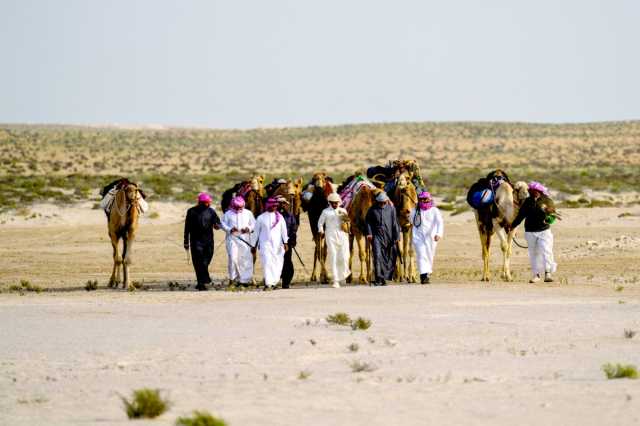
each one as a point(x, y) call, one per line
point(257, 183)
point(520, 192)
point(405, 198)
point(131, 193)
point(319, 180)
point(294, 193)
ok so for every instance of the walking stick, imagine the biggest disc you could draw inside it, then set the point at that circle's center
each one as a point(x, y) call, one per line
point(300, 259)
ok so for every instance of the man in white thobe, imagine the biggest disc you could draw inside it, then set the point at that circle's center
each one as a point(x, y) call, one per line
point(271, 230)
point(337, 240)
point(428, 229)
point(239, 223)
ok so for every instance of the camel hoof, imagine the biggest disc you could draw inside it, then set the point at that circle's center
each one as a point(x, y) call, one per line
point(349, 279)
point(484, 279)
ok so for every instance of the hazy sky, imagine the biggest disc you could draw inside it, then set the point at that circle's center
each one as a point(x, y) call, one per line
point(244, 64)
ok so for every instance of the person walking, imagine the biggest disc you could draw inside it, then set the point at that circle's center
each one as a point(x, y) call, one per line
point(292, 231)
point(272, 243)
point(239, 223)
point(331, 224)
point(199, 224)
point(383, 232)
point(427, 230)
point(538, 212)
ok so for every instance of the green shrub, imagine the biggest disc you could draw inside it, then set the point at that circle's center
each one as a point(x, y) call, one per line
point(361, 324)
point(339, 318)
point(200, 418)
point(620, 371)
point(145, 403)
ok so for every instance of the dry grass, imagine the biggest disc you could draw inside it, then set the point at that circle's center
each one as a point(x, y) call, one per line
point(362, 367)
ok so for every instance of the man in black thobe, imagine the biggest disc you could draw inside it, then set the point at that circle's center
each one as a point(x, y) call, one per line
point(383, 233)
point(292, 228)
point(198, 234)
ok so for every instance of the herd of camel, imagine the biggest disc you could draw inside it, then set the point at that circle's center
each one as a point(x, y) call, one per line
point(494, 218)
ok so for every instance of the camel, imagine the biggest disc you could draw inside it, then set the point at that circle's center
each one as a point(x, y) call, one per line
point(362, 202)
point(497, 218)
point(405, 198)
point(290, 190)
point(251, 190)
point(314, 200)
point(123, 224)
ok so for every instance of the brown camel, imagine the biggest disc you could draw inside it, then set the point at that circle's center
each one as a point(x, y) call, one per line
point(291, 190)
point(314, 200)
point(251, 190)
point(123, 224)
point(405, 199)
point(497, 218)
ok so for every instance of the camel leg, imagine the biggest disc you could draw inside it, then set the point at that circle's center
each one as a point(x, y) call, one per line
point(409, 257)
point(364, 261)
point(505, 246)
point(117, 261)
point(485, 240)
point(350, 277)
point(126, 261)
point(316, 256)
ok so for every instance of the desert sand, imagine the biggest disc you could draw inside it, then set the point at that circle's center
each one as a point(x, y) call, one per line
point(453, 352)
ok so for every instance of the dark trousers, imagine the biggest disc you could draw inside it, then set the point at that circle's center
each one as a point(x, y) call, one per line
point(201, 255)
point(287, 269)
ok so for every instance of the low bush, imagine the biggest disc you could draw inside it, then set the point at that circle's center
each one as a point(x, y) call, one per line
point(145, 403)
point(200, 418)
point(620, 371)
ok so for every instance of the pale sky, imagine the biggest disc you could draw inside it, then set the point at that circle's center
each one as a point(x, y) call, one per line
point(244, 64)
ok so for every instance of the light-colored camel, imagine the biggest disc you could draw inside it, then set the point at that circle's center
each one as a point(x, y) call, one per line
point(123, 224)
point(313, 202)
point(360, 205)
point(496, 218)
point(405, 198)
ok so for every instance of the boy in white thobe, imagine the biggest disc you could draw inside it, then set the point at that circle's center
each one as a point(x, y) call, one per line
point(239, 223)
point(271, 230)
point(428, 229)
point(330, 224)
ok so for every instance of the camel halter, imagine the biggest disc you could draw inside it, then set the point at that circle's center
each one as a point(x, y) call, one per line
point(122, 211)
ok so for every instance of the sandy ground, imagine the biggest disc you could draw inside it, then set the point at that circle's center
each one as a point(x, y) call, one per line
point(454, 352)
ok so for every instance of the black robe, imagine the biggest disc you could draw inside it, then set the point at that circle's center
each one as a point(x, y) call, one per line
point(382, 224)
point(198, 234)
point(292, 229)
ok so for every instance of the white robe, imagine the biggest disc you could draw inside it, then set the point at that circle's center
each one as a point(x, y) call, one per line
point(337, 242)
point(541, 252)
point(240, 259)
point(430, 224)
point(271, 240)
